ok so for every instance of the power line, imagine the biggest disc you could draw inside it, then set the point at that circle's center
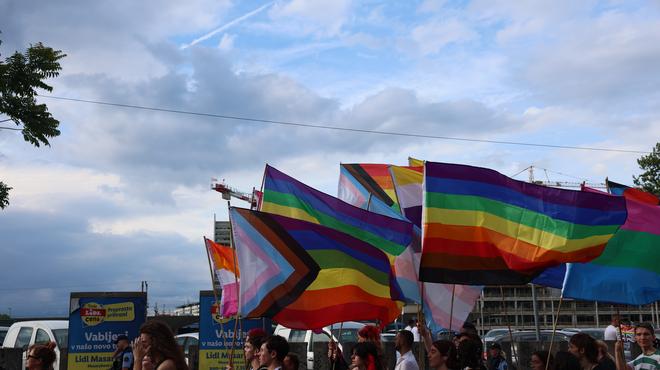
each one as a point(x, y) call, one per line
point(338, 128)
point(11, 128)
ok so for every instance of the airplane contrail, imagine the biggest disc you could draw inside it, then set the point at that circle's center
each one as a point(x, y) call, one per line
point(228, 25)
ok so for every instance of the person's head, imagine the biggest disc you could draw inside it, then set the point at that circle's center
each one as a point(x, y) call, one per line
point(495, 349)
point(404, 341)
point(41, 356)
point(253, 345)
point(469, 351)
point(122, 342)
point(365, 356)
point(615, 320)
point(273, 350)
point(412, 322)
point(469, 327)
point(255, 332)
point(442, 353)
point(158, 337)
point(291, 362)
point(584, 347)
point(369, 333)
point(540, 359)
point(565, 361)
point(644, 335)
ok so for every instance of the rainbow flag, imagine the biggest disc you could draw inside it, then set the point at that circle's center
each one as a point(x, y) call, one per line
point(307, 276)
point(286, 196)
point(352, 191)
point(627, 272)
point(632, 193)
point(226, 273)
point(481, 227)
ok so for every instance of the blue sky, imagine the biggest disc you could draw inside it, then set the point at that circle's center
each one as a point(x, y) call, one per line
point(123, 195)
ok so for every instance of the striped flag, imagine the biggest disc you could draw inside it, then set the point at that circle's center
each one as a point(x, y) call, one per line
point(627, 272)
point(306, 276)
point(481, 227)
point(226, 273)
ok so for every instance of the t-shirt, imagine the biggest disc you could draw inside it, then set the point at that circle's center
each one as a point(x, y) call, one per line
point(123, 360)
point(610, 332)
point(644, 362)
point(406, 362)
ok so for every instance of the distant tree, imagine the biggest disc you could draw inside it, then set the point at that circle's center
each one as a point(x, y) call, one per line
point(20, 76)
point(4, 316)
point(649, 180)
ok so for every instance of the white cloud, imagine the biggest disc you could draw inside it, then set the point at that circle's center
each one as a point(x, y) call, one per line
point(318, 17)
point(227, 42)
point(431, 37)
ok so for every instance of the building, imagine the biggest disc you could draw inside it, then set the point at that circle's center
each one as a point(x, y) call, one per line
point(513, 305)
point(222, 232)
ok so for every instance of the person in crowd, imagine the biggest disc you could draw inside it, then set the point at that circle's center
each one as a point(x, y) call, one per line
point(156, 349)
point(41, 356)
point(412, 327)
point(469, 328)
point(291, 362)
point(336, 358)
point(442, 355)
point(584, 347)
point(403, 344)
point(541, 359)
point(253, 342)
point(122, 358)
point(495, 359)
point(366, 357)
point(563, 360)
point(272, 352)
point(605, 360)
point(611, 331)
point(470, 352)
point(370, 333)
point(649, 359)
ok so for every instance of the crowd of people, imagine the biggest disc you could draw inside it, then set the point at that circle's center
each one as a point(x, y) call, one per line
point(156, 349)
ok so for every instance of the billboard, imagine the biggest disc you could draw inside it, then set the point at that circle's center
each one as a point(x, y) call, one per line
point(220, 338)
point(95, 321)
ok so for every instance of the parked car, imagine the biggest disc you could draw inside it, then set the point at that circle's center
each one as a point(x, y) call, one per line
point(596, 333)
point(23, 334)
point(186, 341)
point(492, 334)
point(341, 333)
point(527, 338)
point(3, 333)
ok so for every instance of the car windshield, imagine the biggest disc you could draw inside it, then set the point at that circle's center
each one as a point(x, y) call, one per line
point(346, 335)
point(62, 337)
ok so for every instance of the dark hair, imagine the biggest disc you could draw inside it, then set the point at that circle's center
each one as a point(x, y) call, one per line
point(470, 353)
point(256, 340)
point(369, 354)
point(447, 348)
point(586, 344)
point(646, 325)
point(407, 337)
point(294, 359)
point(565, 360)
point(278, 344)
point(545, 357)
point(469, 327)
point(163, 346)
point(45, 353)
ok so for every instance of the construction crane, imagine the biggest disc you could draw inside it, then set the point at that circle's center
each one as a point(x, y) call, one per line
point(561, 184)
point(228, 192)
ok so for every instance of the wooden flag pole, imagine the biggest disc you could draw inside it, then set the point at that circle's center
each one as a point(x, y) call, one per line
point(451, 308)
point(508, 324)
point(554, 329)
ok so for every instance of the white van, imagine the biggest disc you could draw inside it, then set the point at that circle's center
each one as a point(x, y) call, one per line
point(348, 329)
point(23, 334)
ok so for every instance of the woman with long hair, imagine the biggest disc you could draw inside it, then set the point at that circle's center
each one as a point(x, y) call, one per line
point(156, 349)
point(442, 355)
point(41, 356)
point(365, 357)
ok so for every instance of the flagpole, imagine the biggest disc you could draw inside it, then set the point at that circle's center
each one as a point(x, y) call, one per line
point(554, 329)
point(451, 308)
point(236, 317)
point(508, 324)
